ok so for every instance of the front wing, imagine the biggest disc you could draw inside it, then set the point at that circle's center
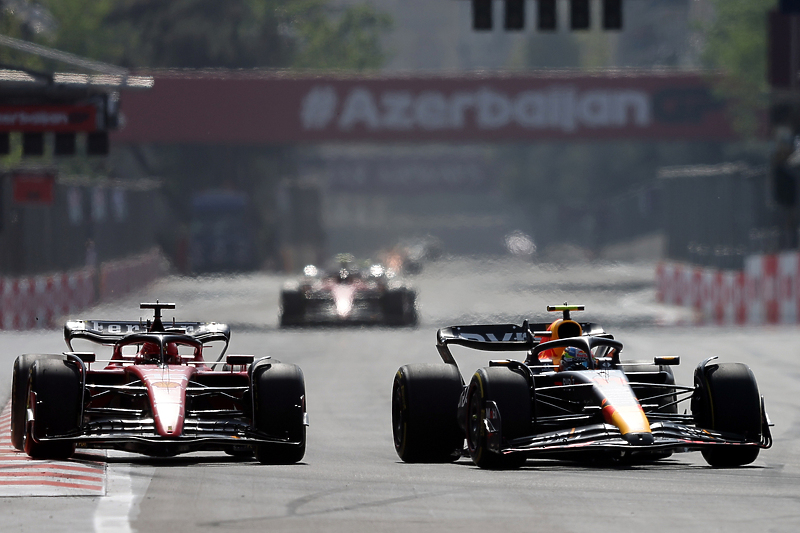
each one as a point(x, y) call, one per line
point(157, 445)
point(606, 439)
point(324, 311)
point(140, 436)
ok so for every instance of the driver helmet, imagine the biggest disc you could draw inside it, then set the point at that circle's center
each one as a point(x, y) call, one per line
point(574, 359)
point(148, 352)
point(172, 355)
point(149, 348)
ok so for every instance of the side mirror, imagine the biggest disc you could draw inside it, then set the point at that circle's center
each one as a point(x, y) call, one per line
point(667, 360)
point(236, 360)
point(86, 357)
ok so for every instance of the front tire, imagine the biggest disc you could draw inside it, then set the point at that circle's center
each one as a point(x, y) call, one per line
point(280, 406)
point(425, 413)
point(726, 399)
point(56, 385)
point(511, 393)
point(19, 394)
point(293, 308)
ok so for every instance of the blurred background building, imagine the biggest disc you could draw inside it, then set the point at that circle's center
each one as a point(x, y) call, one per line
point(575, 192)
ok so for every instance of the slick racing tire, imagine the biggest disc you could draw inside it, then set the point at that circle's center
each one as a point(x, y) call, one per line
point(726, 399)
point(19, 394)
point(292, 308)
point(56, 385)
point(425, 413)
point(410, 317)
point(511, 393)
point(280, 405)
point(657, 375)
point(399, 307)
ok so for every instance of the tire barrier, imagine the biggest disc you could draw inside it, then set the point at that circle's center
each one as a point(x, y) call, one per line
point(765, 292)
point(39, 302)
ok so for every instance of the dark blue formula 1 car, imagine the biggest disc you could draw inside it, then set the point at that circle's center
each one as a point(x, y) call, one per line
point(571, 397)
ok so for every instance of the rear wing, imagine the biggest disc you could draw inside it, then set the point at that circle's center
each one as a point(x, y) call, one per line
point(501, 337)
point(109, 332)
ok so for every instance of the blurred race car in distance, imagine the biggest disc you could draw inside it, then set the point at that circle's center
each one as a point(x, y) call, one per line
point(348, 295)
point(409, 255)
point(157, 395)
point(571, 397)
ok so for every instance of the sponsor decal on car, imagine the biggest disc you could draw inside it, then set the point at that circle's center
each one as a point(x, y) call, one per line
point(166, 384)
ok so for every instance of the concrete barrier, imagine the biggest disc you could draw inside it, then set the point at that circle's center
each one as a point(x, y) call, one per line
point(767, 291)
point(38, 301)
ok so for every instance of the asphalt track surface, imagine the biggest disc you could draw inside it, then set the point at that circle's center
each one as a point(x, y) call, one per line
point(352, 480)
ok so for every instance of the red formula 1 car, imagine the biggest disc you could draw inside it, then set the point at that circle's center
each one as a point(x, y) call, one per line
point(571, 397)
point(348, 295)
point(157, 395)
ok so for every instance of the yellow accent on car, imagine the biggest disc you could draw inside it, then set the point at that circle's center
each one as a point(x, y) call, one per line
point(566, 307)
point(630, 419)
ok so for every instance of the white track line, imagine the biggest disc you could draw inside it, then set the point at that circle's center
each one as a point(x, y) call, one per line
point(121, 504)
point(87, 474)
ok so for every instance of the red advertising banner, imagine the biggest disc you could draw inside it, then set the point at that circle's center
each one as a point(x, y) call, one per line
point(30, 188)
point(253, 107)
point(66, 118)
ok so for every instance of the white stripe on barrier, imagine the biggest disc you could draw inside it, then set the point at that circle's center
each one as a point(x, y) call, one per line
point(767, 291)
point(787, 287)
point(36, 302)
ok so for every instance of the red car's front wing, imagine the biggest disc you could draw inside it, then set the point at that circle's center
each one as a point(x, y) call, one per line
point(150, 443)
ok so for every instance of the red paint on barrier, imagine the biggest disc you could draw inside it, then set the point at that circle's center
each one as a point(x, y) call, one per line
point(40, 301)
point(771, 289)
point(766, 292)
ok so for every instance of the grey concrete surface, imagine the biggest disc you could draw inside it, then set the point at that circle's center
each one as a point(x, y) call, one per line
point(352, 480)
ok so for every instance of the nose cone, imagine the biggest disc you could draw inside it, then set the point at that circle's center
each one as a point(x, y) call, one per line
point(639, 439)
point(343, 297)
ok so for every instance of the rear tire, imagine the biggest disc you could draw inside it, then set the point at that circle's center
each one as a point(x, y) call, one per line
point(410, 311)
point(399, 307)
point(511, 393)
point(292, 308)
point(19, 395)
point(57, 386)
point(280, 405)
point(726, 399)
point(425, 413)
